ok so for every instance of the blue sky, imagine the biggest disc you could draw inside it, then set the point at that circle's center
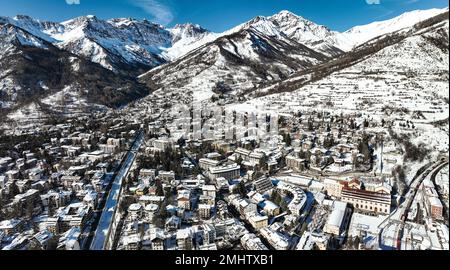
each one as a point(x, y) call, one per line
point(219, 15)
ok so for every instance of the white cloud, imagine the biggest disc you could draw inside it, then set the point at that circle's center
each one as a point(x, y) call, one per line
point(161, 13)
point(73, 2)
point(373, 2)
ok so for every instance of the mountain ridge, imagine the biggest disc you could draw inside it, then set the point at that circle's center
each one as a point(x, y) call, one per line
point(200, 64)
point(143, 45)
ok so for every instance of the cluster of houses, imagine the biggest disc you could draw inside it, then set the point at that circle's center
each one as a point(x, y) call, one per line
point(251, 193)
point(244, 176)
point(48, 194)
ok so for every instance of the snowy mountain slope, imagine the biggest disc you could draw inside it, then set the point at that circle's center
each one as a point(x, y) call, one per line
point(32, 69)
point(123, 45)
point(250, 55)
point(187, 45)
point(317, 37)
point(361, 34)
point(185, 38)
point(320, 38)
point(187, 31)
point(118, 44)
point(357, 55)
point(406, 79)
point(261, 24)
point(132, 47)
point(324, 40)
point(37, 28)
point(286, 24)
point(12, 35)
point(187, 59)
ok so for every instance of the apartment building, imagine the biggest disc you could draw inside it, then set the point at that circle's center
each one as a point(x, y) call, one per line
point(229, 172)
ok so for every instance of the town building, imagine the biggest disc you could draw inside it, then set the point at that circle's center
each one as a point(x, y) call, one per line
point(209, 233)
point(338, 218)
point(369, 201)
point(270, 208)
point(209, 190)
point(228, 172)
point(263, 185)
point(135, 211)
point(184, 199)
point(275, 239)
point(205, 163)
point(204, 211)
point(184, 239)
point(333, 187)
point(298, 202)
point(432, 202)
point(258, 222)
point(296, 164)
point(251, 242)
point(246, 208)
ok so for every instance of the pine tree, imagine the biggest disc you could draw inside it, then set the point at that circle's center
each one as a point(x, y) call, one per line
point(287, 139)
point(357, 241)
point(159, 188)
point(283, 204)
point(239, 161)
point(263, 164)
point(241, 189)
point(310, 126)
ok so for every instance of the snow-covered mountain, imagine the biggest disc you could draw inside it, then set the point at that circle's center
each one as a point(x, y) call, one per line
point(187, 59)
point(361, 34)
point(12, 36)
point(132, 46)
point(33, 71)
point(317, 37)
point(243, 58)
point(41, 29)
point(118, 44)
point(419, 52)
point(262, 51)
point(122, 45)
point(288, 25)
point(397, 77)
point(322, 39)
point(187, 31)
point(185, 38)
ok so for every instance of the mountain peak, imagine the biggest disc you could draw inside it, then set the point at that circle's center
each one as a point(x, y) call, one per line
point(259, 23)
point(87, 18)
point(190, 27)
point(122, 21)
point(187, 25)
point(298, 27)
point(23, 17)
point(287, 13)
point(286, 18)
point(81, 20)
point(187, 30)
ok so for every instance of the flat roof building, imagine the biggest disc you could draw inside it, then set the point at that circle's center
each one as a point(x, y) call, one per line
point(228, 172)
point(337, 219)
